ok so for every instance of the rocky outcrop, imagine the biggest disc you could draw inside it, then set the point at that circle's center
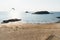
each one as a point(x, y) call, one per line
point(41, 12)
point(58, 17)
point(26, 12)
point(11, 20)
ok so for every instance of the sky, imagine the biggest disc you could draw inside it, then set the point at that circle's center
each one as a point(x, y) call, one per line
point(30, 5)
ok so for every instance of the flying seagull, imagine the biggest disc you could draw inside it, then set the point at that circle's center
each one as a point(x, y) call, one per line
point(13, 8)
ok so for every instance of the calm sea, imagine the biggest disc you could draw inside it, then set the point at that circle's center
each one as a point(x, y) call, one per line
point(31, 18)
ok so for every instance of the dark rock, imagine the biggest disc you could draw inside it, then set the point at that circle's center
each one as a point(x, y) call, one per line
point(26, 12)
point(58, 17)
point(41, 12)
point(5, 21)
point(11, 20)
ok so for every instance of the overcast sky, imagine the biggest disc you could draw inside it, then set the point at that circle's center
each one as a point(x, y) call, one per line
point(34, 5)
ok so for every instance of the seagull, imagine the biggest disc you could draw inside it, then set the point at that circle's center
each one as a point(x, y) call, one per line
point(13, 8)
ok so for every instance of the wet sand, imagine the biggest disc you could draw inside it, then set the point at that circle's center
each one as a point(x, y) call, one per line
point(25, 31)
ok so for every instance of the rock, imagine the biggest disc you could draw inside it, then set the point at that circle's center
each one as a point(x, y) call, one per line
point(41, 12)
point(5, 21)
point(26, 12)
point(58, 17)
point(11, 20)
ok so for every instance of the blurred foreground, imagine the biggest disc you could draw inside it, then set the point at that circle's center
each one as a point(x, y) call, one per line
point(25, 31)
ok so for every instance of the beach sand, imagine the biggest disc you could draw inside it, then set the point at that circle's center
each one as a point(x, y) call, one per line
point(29, 31)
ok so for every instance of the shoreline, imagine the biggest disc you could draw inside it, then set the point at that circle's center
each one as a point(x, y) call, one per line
point(30, 25)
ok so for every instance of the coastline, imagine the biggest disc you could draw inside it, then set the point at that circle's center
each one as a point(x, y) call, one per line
point(32, 25)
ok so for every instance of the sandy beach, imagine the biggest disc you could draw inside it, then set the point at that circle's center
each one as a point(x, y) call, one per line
point(28, 31)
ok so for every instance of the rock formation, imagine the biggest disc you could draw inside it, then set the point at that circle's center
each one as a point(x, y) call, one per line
point(11, 20)
point(41, 12)
point(26, 12)
point(58, 17)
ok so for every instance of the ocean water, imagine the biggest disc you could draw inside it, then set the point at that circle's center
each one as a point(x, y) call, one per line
point(31, 18)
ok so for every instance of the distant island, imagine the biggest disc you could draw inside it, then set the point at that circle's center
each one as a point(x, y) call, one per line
point(41, 12)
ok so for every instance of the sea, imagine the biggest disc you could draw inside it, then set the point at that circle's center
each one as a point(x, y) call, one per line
point(29, 17)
